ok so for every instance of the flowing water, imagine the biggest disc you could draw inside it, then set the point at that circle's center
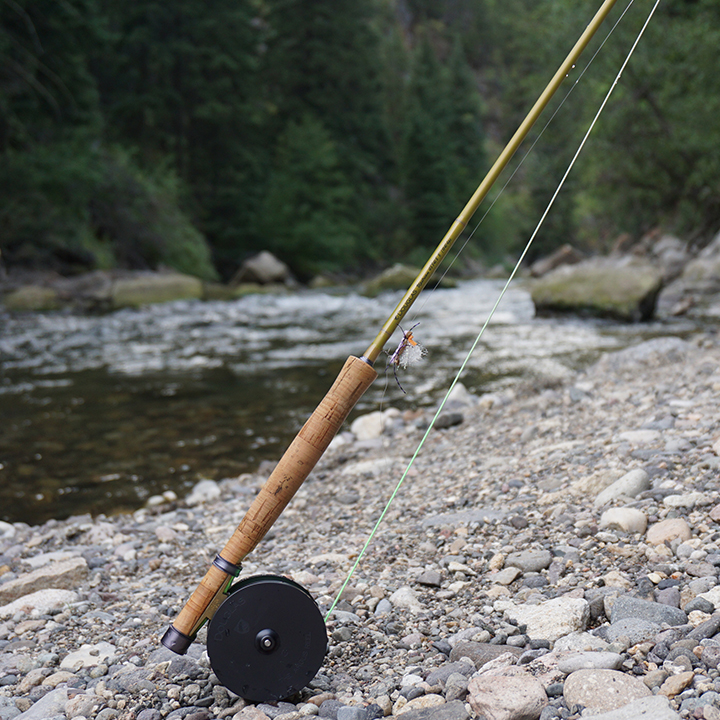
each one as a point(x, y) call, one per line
point(101, 411)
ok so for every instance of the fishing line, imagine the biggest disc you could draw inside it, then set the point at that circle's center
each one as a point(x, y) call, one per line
point(492, 312)
point(522, 160)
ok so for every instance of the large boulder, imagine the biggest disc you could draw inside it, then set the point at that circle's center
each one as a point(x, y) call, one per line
point(398, 277)
point(620, 288)
point(32, 297)
point(262, 269)
point(565, 255)
point(147, 288)
point(696, 291)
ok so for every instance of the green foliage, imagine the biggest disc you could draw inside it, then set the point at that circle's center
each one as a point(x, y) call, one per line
point(71, 208)
point(338, 132)
point(178, 81)
point(654, 157)
point(307, 213)
point(443, 155)
point(46, 87)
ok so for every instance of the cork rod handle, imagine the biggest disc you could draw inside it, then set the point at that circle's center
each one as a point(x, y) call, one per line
point(295, 465)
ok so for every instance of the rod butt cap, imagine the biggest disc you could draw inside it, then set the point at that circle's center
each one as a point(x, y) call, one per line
point(176, 641)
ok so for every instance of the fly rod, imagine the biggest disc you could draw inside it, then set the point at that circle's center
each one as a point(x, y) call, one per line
point(267, 638)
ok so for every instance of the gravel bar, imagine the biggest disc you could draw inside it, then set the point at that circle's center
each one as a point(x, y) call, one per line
point(553, 553)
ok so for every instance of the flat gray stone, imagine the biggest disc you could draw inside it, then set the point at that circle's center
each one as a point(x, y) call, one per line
point(454, 710)
point(48, 706)
point(629, 485)
point(63, 575)
point(529, 560)
point(481, 653)
point(552, 619)
point(648, 708)
point(627, 606)
point(635, 629)
point(589, 661)
point(42, 601)
point(441, 674)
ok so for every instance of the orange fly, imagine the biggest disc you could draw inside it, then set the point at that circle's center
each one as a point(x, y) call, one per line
point(408, 352)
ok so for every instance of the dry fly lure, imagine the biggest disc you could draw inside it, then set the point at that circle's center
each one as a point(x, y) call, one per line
point(408, 352)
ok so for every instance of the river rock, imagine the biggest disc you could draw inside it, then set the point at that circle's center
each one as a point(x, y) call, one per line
point(62, 575)
point(507, 698)
point(551, 619)
point(203, 492)
point(423, 702)
point(629, 485)
point(635, 629)
point(32, 298)
point(580, 642)
point(647, 708)
point(564, 255)
point(369, 426)
point(697, 291)
point(454, 710)
point(529, 560)
point(629, 520)
point(675, 684)
point(82, 705)
point(589, 660)
point(406, 598)
point(481, 653)
point(623, 289)
point(263, 269)
point(147, 288)
point(49, 706)
point(667, 530)
point(89, 656)
point(627, 606)
point(712, 595)
point(686, 500)
point(507, 575)
point(41, 602)
point(603, 690)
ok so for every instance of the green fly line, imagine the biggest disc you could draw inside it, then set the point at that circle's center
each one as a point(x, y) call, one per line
point(474, 345)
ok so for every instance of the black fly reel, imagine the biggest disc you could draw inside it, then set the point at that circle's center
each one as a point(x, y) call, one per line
point(267, 640)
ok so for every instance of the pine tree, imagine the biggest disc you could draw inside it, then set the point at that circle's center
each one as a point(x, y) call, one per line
point(180, 84)
point(307, 212)
point(322, 60)
point(467, 140)
point(443, 152)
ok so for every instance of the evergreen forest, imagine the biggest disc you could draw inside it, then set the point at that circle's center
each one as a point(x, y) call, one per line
point(341, 135)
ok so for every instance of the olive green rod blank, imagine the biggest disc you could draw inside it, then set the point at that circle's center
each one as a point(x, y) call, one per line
point(374, 350)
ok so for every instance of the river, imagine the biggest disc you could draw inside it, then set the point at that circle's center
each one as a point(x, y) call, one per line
point(99, 412)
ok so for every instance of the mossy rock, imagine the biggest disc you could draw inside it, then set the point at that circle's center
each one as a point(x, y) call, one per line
point(155, 288)
point(32, 297)
point(399, 277)
point(218, 291)
point(603, 287)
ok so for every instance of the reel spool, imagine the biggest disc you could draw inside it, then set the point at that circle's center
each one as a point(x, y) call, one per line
point(267, 640)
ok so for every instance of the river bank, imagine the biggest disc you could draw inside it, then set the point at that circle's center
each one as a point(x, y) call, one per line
point(512, 537)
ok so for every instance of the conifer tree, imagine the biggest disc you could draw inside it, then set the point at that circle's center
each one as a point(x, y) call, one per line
point(322, 59)
point(307, 212)
point(179, 83)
